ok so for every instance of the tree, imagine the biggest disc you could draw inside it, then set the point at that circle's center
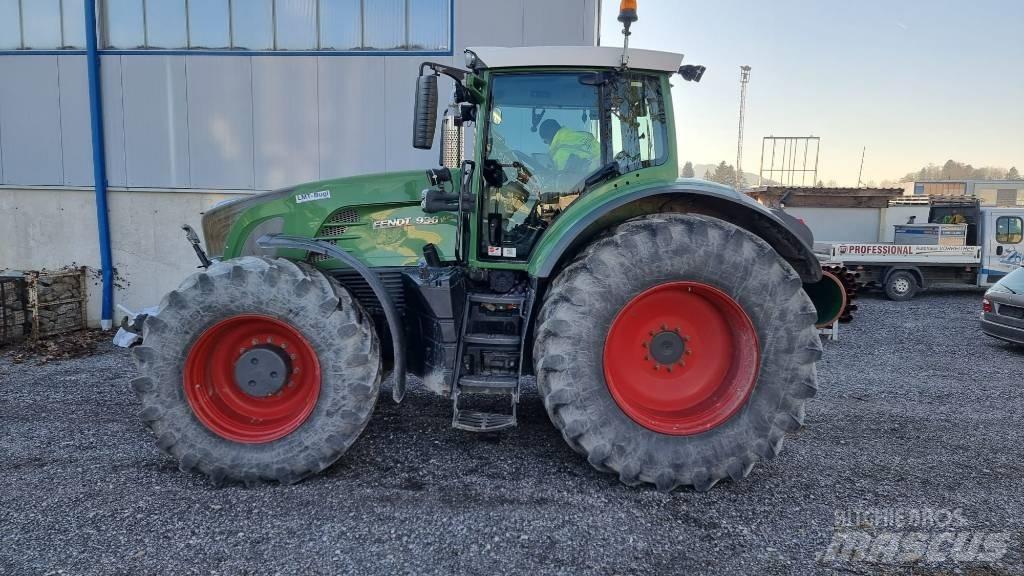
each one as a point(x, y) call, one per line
point(724, 174)
point(688, 169)
point(953, 170)
point(1012, 173)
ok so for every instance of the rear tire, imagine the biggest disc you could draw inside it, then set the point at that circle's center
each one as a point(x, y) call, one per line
point(595, 382)
point(216, 427)
point(900, 286)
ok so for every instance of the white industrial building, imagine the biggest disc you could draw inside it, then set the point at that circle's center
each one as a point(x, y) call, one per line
point(202, 100)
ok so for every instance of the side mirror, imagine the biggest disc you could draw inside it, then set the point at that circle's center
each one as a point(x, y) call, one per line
point(425, 112)
point(692, 72)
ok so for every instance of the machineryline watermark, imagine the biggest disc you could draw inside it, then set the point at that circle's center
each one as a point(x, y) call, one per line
point(912, 536)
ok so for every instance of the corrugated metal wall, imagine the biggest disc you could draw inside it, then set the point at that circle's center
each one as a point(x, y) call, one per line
point(213, 122)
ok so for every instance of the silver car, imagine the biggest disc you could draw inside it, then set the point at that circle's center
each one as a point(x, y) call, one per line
point(1003, 308)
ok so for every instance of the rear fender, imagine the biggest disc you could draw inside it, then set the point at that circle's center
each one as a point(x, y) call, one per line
point(573, 229)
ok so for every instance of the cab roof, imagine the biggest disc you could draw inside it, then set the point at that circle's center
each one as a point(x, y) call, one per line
point(575, 56)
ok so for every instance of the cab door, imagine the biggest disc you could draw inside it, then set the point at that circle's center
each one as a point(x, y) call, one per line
point(1003, 243)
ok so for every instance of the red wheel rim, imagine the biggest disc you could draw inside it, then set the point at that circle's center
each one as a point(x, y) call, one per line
point(223, 406)
point(717, 354)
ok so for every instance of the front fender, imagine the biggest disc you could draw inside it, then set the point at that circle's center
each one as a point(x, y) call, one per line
point(374, 281)
point(595, 212)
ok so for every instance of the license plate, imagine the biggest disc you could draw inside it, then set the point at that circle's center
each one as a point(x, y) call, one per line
point(1011, 311)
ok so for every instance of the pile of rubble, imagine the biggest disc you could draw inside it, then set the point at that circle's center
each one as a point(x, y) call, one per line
point(61, 347)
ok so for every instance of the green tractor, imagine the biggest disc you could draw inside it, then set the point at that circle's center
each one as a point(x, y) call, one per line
point(663, 321)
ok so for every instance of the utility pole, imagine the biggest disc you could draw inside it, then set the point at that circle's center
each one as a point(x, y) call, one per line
point(744, 79)
point(861, 171)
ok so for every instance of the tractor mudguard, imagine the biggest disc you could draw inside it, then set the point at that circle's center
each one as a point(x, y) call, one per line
point(574, 227)
point(371, 277)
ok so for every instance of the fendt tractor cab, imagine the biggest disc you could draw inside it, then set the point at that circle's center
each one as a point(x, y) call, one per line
point(663, 321)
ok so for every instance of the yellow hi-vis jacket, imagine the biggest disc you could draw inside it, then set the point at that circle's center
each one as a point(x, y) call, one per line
point(568, 143)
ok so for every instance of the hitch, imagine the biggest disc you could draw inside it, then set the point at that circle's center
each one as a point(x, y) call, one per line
point(193, 239)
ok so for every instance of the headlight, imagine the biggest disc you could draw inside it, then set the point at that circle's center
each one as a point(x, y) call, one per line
point(218, 220)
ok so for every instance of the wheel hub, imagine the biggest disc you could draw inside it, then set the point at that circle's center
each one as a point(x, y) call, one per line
point(667, 348)
point(681, 358)
point(252, 378)
point(262, 371)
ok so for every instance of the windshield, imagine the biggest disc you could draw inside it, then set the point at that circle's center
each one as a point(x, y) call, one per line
point(548, 132)
point(1012, 282)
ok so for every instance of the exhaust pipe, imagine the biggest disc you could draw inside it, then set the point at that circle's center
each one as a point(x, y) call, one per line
point(829, 297)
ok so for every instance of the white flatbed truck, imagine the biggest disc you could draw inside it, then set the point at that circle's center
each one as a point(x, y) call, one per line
point(995, 239)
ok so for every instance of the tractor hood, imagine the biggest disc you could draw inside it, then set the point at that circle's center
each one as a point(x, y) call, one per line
point(340, 210)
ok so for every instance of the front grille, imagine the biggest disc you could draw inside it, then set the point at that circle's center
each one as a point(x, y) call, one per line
point(360, 288)
point(331, 231)
point(314, 257)
point(343, 216)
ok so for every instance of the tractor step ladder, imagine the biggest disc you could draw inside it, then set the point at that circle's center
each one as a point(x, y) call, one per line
point(488, 383)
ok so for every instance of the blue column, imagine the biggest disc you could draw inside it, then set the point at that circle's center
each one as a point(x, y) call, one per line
point(99, 163)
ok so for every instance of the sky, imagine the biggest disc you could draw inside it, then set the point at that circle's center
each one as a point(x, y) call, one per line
point(913, 81)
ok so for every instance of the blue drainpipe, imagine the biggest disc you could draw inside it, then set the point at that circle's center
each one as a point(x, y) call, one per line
point(99, 163)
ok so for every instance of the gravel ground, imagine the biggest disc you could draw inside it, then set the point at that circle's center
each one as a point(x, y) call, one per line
point(917, 410)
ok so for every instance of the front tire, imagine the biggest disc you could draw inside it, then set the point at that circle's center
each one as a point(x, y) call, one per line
point(257, 370)
point(677, 350)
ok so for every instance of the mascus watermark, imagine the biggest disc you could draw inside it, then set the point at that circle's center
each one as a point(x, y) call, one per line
point(912, 536)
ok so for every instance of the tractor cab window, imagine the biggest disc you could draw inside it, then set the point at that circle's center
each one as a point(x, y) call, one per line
point(550, 137)
point(637, 124)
